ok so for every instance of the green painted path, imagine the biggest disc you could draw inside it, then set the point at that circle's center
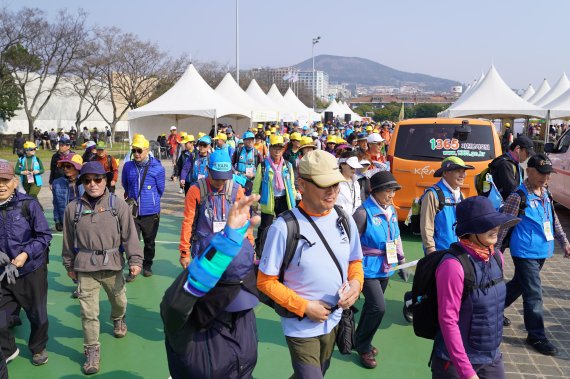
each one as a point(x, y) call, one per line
point(141, 353)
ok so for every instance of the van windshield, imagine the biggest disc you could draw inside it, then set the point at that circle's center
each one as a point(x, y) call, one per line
point(436, 142)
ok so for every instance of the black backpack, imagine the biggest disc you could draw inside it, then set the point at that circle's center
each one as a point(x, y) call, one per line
point(424, 289)
point(291, 243)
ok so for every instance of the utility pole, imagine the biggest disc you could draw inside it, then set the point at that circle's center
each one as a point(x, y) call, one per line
point(315, 41)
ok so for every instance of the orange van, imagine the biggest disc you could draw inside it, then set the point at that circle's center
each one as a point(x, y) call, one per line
point(419, 145)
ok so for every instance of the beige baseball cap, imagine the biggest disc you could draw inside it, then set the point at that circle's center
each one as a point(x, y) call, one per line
point(321, 167)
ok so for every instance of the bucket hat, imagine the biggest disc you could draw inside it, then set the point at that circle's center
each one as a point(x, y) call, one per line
point(476, 215)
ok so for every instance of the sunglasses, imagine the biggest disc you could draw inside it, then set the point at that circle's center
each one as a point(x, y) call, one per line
point(30, 149)
point(67, 166)
point(202, 144)
point(96, 179)
point(137, 151)
point(334, 186)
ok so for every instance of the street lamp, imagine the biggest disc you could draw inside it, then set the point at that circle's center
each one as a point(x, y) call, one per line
point(315, 41)
point(237, 42)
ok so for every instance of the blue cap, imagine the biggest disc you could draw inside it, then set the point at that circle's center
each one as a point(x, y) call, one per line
point(219, 165)
point(65, 141)
point(205, 139)
point(247, 135)
point(94, 168)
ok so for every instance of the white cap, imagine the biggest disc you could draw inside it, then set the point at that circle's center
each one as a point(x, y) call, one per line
point(364, 162)
point(315, 134)
point(173, 127)
point(353, 162)
point(374, 138)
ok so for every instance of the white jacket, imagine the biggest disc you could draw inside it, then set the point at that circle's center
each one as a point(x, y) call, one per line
point(349, 196)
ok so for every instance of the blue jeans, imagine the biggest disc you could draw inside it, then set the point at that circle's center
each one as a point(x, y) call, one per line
point(526, 282)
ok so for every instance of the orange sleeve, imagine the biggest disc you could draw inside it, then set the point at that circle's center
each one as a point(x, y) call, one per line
point(115, 169)
point(239, 195)
point(285, 297)
point(192, 199)
point(356, 272)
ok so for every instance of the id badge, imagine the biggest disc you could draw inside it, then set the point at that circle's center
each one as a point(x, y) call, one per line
point(218, 226)
point(548, 231)
point(200, 176)
point(391, 255)
point(249, 170)
point(30, 178)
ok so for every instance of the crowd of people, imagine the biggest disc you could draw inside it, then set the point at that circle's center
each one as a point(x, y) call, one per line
point(322, 197)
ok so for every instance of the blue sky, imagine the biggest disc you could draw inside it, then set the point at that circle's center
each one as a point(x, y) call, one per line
point(526, 40)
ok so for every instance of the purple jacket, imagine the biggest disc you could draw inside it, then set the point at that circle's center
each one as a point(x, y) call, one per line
point(18, 234)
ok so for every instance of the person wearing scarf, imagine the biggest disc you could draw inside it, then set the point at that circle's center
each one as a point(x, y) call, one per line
point(471, 324)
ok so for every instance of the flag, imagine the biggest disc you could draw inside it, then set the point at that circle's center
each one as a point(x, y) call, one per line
point(401, 116)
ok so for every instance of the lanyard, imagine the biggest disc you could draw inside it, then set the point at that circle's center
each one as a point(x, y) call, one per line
point(212, 200)
point(26, 163)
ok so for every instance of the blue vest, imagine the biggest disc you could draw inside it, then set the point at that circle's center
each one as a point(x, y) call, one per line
point(480, 315)
point(247, 159)
point(35, 166)
point(375, 237)
point(210, 210)
point(444, 223)
point(528, 239)
point(199, 167)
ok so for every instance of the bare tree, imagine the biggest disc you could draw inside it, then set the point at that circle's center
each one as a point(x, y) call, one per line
point(39, 53)
point(213, 72)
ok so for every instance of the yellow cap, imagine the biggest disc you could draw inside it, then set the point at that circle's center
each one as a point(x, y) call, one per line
point(182, 134)
point(201, 134)
point(140, 141)
point(296, 136)
point(272, 130)
point(259, 126)
point(267, 133)
point(369, 128)
point(190, 138)
point(286, 135)
point(331, 139)
point(507, 125)
point(29, 145)
point(307, 142)
point(221, 136)
point(276, 140)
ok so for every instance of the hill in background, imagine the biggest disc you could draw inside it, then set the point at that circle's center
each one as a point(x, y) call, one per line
point(364, 72)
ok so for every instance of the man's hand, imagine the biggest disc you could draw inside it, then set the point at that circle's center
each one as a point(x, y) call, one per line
point(113, 182)
point(351, 295)
point(182, 182)
point(238, 214)
point(317, 310)
point(72, 275)
point(184, 262)
point(566, 251)
point(134, 270)
point(20, 259)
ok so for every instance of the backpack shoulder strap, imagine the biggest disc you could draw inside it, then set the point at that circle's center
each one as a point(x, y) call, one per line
point(231, 191)
point(25, 209)
point(468, 270)
point(440, 197)
point(291, 242)
point(113, 210)
point(203, 189)
point(343, 219)
point(522, 204)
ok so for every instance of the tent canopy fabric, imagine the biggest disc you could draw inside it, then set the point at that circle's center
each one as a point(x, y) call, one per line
point(560, 107)
point(561, 86)
point(304, 113)
point(540, 92)
point(492, 98)
point(286, 112)
point(529, 92)
point(257, 94)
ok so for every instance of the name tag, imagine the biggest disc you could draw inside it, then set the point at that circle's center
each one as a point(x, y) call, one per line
point(249, 170)
point(200, 176)
point(548, 231)
point(30, 178)
point(218, 226)
point(391, 255)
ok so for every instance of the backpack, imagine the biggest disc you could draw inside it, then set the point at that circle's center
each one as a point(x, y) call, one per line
point(413, 219)
point(291, 243)
point(485, 185)
point(424, 289)
point(522, 205)
point(108, 133)
point(80, 213)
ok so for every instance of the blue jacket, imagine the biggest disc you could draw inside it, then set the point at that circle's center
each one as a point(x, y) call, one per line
point(62, 195)
point(528, 239)
point(481, 315)
point(152, 189)
point(19, 234)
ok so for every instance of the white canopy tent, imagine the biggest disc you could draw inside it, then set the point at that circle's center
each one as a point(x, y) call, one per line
point(286, 112)
point(335, 109)
point(540, 92)
point(492, 98)
point(191, 104)
point(347, 110)
point(304, 113)
point(257, 94)
point(559, 108)
point(561, 86)
point(529, 92)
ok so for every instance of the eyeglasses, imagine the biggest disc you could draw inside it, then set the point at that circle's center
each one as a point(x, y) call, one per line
point(96, 179)
point(334, 186)
point(137, 151)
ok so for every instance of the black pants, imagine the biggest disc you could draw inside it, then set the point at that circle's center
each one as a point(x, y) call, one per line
point(372, 312)
point(30, 292)
point(148, 227)
point(267, 220)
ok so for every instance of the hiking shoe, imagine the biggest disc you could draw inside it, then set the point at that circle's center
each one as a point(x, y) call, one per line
point(367, 359)
point(181, 190)
point(92, 360)
point(506, 321)
point(75, 294)
point(13, 356)
point(543, 346)
point(147, 272)
point(130, 278)
point(407, 310)
point(40, 358)
point(59, 226)
point(119, 328)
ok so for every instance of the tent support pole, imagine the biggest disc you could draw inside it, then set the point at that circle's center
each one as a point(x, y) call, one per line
point(546, 126)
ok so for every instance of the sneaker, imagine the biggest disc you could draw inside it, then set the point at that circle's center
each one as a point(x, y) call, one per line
point(506, 321)
point(75, 294)
point(40, 358)
point(147, 272)
point(59, 226)
point(130, 278)
point(119, 328)
point(92, 360)
point(543, 346)
point(181, 190)
point(13, 356)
